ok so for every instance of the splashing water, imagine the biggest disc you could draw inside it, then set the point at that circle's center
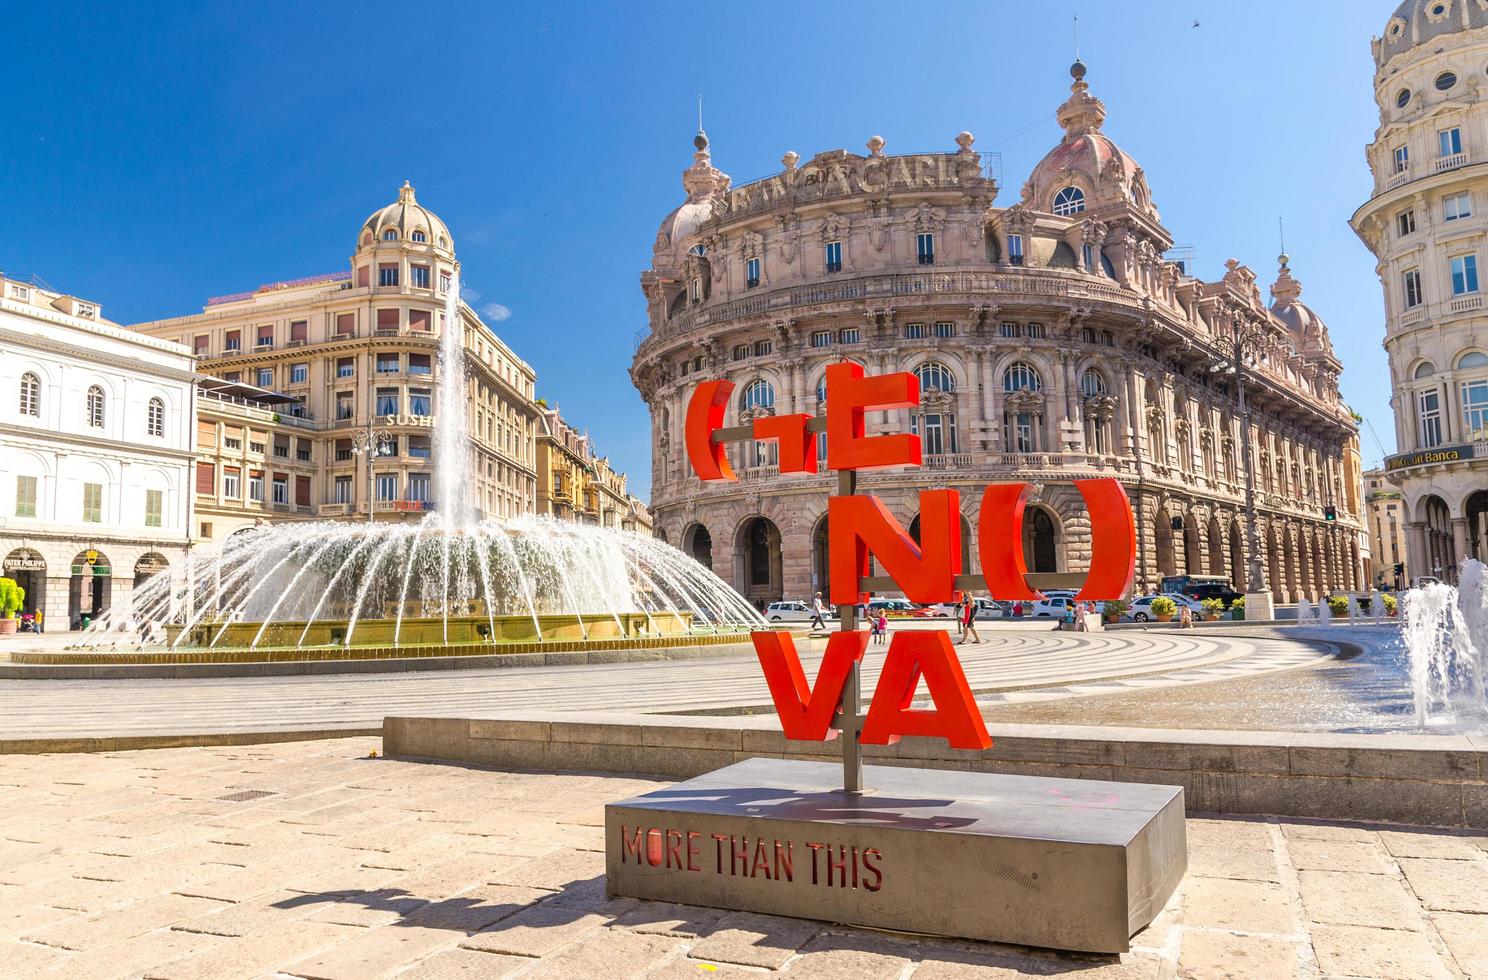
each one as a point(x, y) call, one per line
point(451, 574)
point(1446, 637)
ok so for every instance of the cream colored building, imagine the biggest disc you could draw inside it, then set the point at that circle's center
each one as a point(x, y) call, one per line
point(95, 453)
point(1385, 515)
point(576, 483)
point(1425, 222)
point(353, 348)
point(1052, 341)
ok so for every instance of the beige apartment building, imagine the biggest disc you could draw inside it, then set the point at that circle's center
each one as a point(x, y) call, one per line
point(575, 483)
point(1426, 222)
point(1052, 339)
point(1385, 515)
point(313, 370)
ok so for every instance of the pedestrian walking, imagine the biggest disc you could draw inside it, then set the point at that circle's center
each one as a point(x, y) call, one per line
point(968, 623)
point(818, 613)
point(1018, 609)
point(881, 623)
point(40, 620)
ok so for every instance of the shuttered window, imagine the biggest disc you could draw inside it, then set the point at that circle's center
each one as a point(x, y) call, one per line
point(206, 478)
point(302, 491)
point(345, 324)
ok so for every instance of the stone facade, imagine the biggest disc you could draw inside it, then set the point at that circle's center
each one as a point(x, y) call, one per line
point(577, 484)
point(1052, 341)
point(1386, 516)
point(1425, 223)
point(95, 454)
point(358, 347)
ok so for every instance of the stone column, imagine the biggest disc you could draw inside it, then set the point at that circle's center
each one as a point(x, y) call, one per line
point(1459, 542)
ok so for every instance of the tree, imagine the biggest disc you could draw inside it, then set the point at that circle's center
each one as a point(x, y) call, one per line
point(12, 597)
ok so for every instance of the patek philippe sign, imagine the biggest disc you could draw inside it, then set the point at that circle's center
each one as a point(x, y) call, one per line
point(1442, 454)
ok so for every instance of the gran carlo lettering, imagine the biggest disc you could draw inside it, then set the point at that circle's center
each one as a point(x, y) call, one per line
point(861, 530)
point(742, 856)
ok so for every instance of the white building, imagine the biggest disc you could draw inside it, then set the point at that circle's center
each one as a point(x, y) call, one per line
point(95, 453)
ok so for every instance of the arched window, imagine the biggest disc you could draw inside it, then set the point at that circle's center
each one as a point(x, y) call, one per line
point(1070, 200)
point(759, 394)
point(419, 237)
point(157, 417)
point(391, 235)
point(1472, 359)
point(31, 395)
point(1020, 377)
point(1092, 384)
point(935, 376)
point(1424, 370)
point(95, 407)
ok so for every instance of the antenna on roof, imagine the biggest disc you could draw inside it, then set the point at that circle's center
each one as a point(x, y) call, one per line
point(700, 112)
point(1281, 232)
point(1077, 36)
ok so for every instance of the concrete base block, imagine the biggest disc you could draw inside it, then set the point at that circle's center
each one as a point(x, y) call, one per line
point(1059, 863)
point(1259, 606)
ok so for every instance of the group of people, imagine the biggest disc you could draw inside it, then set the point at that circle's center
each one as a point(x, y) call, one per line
point(878, 622)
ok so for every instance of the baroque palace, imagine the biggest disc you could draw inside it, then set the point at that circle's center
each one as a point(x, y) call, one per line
point(1052, 341)
point(1425, 223)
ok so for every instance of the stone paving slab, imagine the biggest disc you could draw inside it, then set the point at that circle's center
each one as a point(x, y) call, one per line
point(343, 866)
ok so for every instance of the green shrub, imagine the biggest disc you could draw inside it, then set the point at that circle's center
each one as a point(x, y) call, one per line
point(1338, 605)
point(12, 597)
point(1389, 603)
point(1114, 609)
point(1213, 606)
point(1238, 604)
point(1163, 606)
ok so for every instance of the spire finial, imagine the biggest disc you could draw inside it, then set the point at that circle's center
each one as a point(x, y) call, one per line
point(1281, 234)
point(701, 139)
point(1077, 36)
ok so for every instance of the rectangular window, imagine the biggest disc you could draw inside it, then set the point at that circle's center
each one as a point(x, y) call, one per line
point(1412, 288)
point(1015, 249)
point(234, 340)
point(281, 489)
point(1405, 223)
point(302, 491)
point(763, 347)
point(418, 320)
point(299, 374)
point(1402, 159)
point(1036, 331)
point(834, 256)
point(199, 345)
point(302, 450)
point(206, 478)
point(389, 363)
point(266, 377)
point(345, 324)
point(387, 275)
point(387, 486)
point(741, 351)
point(849, 335)
point(1475, 408)
point(1456, 206)
point(752, 273)
point(299, 331)
point(444, 282)
point(93, 503)
point(418, 447)
point(345, 367)
point(1449, 141)
point(1087, 335)
point(25, 496)
point(341, 493)
point(945, 330)
point(925, 248)
point(256, 443)
point(345, 405)
point(281, 447)
point(387, 321)
point(343, 450)
point(1464, 274)
point(419, 276)
point(1430, 405)
point(1087, 256)
point(266, 336)
point(1007, 330)
point(418, 487)
point(914, 331)
point(387, 401)
point(232, 482)
point(255, 486)
point(821, 338)
point(419, 402)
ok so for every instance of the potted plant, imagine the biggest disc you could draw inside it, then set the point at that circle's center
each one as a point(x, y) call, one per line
point(1338, 605)
point(12, 596)
point(1237, 608)
point(1212, 609)
point(1113, 610)
point(1389, 601)
point(1163, 609)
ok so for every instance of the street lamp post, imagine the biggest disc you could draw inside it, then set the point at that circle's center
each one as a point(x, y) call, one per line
point(1258, 601)
point(372, 442)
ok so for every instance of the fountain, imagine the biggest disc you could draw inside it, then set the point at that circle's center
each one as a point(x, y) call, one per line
point(1446, 638)
point(451, 580)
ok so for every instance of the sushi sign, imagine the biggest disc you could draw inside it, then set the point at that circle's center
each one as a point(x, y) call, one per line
point(927, 571)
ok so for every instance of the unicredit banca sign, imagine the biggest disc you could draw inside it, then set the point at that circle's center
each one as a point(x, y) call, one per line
point(860, 527)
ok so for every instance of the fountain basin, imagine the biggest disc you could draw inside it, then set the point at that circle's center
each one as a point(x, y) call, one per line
point(468, 630)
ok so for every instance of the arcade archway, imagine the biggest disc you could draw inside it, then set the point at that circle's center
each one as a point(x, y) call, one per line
point(90, 588)
point(757, 557)
point(29, 570)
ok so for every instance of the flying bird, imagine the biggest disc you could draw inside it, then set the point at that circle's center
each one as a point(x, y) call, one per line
point(1196, 23)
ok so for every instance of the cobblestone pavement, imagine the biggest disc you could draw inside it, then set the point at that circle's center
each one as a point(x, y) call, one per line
point(1015, 658)
point(312, 860)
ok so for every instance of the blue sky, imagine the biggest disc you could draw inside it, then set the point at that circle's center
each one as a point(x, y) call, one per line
point(151, 160)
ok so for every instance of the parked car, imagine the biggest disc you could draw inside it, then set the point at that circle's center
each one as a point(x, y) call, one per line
point(1140, 610)
point(986, 609)
point(896, 608)
point(1199, 593)
point(788, 612)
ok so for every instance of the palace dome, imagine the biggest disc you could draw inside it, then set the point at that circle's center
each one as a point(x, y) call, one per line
point(1299, 318)
point(705, 184)
point(1086, 159)
point(406, 216)
point(1416, 22)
